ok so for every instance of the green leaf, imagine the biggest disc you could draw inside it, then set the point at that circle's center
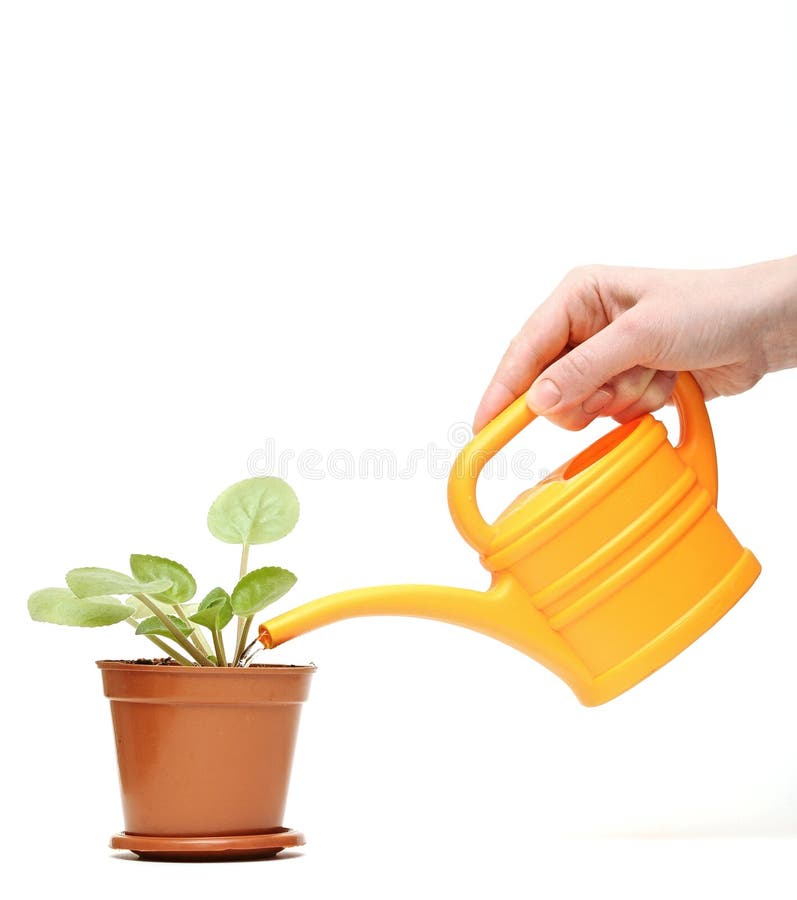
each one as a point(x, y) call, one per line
point(254, 511)
point(153, 625)
point(215, 610)
point(259, 588)
point(93, 582)
point(157, 568)
point(61, 607)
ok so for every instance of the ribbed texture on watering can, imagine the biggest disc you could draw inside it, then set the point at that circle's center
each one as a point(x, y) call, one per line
point(537, 516)
point(593, 507)
point(621, 557)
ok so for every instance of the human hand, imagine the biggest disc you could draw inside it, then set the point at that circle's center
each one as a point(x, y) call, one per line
point(610, 341)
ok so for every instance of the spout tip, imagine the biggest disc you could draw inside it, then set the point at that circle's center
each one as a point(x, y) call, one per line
point(264, 636)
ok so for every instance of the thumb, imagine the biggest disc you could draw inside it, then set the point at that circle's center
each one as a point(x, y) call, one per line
point(574, 377)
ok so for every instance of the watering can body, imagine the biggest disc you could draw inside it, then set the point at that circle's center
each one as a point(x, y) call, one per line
point(602, 572)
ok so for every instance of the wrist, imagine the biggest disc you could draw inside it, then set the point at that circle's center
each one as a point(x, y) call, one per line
point(776, 300)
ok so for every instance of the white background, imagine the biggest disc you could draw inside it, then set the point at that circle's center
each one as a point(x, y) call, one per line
point(319, 224)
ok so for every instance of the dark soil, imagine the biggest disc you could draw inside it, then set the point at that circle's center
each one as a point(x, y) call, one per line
point(167, 661)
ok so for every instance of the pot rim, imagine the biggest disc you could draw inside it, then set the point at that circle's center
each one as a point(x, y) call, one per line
point(263, 669)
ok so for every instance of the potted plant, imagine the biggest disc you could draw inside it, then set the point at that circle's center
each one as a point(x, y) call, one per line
point(203, 708)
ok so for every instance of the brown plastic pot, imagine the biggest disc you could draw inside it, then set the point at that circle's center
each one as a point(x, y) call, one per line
point(204, 757)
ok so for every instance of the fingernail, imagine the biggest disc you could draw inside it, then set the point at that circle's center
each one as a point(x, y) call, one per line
point(597, 401)
point(544, 395)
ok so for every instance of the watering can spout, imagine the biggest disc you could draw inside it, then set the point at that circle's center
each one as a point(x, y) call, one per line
point(455, 605)
point(502, 612)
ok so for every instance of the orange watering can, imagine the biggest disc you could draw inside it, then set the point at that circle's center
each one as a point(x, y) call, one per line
point(603, 571)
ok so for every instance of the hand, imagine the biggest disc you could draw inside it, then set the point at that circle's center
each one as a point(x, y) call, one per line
point(609, 341)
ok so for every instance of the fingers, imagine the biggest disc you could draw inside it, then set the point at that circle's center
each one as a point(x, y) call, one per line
point(628, 395)
point(610, 399)
point(576, 387)
point(655, 395)
point(541, 340)
point(572, 384)
point(496, 398)
point(627, 388)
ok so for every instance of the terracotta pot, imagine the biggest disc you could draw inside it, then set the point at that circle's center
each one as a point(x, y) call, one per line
point(204, 757)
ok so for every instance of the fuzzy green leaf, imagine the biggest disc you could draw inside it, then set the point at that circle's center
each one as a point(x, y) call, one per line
point(157, 568)
point(60, 606)
point(94, 582)
point(215, 610)
point(259, 588)
point(254, 511)
point(153, 625)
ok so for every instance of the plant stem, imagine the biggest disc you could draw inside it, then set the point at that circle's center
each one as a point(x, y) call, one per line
point(175, 632)
point(169, 651)
point(240, 638)
point(196, 636)
point(244, 561)
point(247, 621)
point(218, 643)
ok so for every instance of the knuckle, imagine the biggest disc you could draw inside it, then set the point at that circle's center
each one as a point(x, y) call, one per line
point(579, 363)
point(575, 281)
point(640, 331)
point(583, 283)
point(631, 326)
point(576, 274)
point(588, 272)
point(516, 343)
point(655, 400)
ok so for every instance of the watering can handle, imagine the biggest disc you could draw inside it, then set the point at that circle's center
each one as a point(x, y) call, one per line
point(696, 446)
point(696, 449)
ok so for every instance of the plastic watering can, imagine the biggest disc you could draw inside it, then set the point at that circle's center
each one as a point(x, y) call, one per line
point(603, 571)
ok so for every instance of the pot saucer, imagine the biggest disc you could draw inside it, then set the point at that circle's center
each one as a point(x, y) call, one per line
point(217, 848)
